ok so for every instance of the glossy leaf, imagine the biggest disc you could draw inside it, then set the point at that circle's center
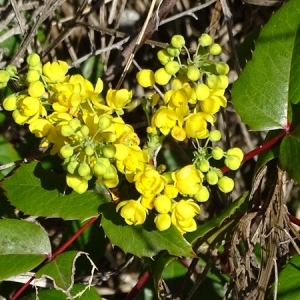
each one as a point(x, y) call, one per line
point(8, 154)
point(90, 293)
point(238, 205)
point(61, 270)
point(289, 154)
point(142, 240)
point(288, 281)
point(270, 81)
point(38, 192)
point(23, 246)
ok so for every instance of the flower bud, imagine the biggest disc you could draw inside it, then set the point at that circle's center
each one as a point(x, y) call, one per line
point(99, 169)
point(223, 82)
point(4, 76)
point(66, 130)
point(164, 57)
point(202, 91)
point(84, 130)
point(66, 151)
point(232, 162)
point(173, 51)
point(36, 89)
point(12, 70)
point(104, 122)
point(109, 150)
point(33, 59)
point(215, 49)
point(222, 68)
point(177, 41)
point(193, 73)
point(205, 40)
point(32, 76)
point(237, 152)
point(110, 173)
point(162, 204)
point(72, 166)
point(204, 165)
point(145, 78)
point(217, 153)
point(84, 169)
point(10, 102)
point(75, 124)
point(89, 150)
point(213, 81)
point(215, 135)
point(212, 178)
point(162, 222)
point(226, 184)
point(202, 195)
point(172, 67)
point(162, 77)
point(105, 161)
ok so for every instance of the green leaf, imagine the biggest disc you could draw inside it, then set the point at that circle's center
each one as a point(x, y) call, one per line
point(61, 270)
point(90, 293)
point(288, 280)
point(289, 154)
point(238, 205)
point(23, 246)
point(142, 240)
point(7, 154)
point(38, 192)
point(270, 81)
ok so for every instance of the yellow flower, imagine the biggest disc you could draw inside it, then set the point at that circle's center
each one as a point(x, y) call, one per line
point(149, 182)
point(55, 72)
point(187, 180)
point(165, 119)
point(170, 191)
point(196, 125)
point(41, 127)
point(133, 212)
point(212, 104)
point(183, 213)
point(117, 99)
point(148, 202)
point(178, 133)
point(145, 78)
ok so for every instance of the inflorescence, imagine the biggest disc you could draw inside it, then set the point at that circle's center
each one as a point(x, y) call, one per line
point(87, 130)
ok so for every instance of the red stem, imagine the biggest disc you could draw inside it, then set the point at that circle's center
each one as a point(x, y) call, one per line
point(267, 145)
point(57, 252)
point(294, 220)
point(140, 284)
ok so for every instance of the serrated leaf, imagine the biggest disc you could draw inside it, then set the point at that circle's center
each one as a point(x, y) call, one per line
point(7, 154)
point(142, 240)
point(270, 81)
point(38, 192)
point(89, 293)
point(23, 246)
point(61, 270)
point(239, 205)
point(288, 280)
point(289, 154)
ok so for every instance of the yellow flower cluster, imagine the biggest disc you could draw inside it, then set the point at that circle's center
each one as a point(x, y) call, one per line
point(87, 131)
point(194, 91)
